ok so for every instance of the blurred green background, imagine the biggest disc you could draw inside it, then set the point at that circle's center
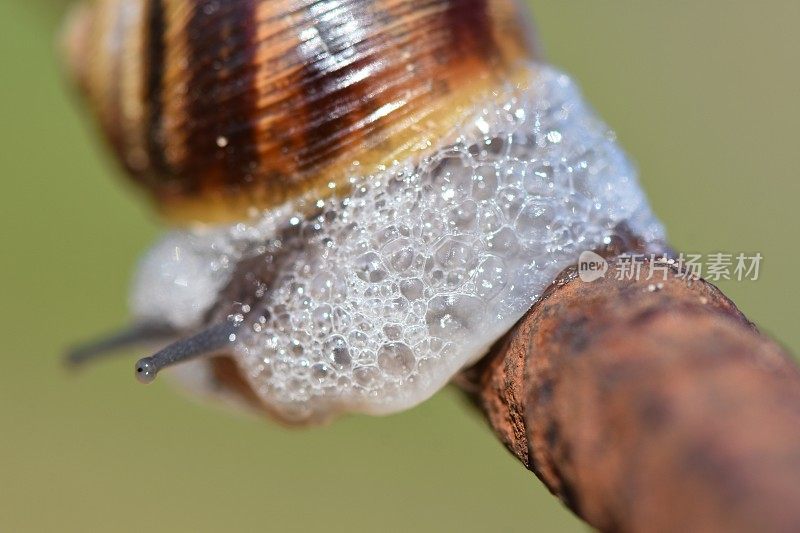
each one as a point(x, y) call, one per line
point(702, 94)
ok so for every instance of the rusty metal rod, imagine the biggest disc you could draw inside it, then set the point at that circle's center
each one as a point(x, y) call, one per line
point(648, 407)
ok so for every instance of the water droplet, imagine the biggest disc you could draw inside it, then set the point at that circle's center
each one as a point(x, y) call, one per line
point(321, 371)
point(452, 315)
point(452, 177)
point(367, 376)
point(554, 137)
point(490, 278)
point(369, 267)
point(511, 201)
point(323, 318)
point(327, 287)
point(484, 182)
point(463, 215)
point(393, 332)
point(534, 221)
point(396, 359)
point(504, 241)
point(453, 254)
point(338, 351)
point(357, 339)
point(399, 255)
point(412, 289)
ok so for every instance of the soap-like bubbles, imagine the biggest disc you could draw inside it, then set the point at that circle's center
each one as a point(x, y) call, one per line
point(425, 265)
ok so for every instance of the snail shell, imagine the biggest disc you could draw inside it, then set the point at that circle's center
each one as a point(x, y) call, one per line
point(216, 107)
point(405, 179)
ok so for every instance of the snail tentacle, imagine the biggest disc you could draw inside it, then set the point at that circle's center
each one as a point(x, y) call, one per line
point(210, 341)
point(113, 343)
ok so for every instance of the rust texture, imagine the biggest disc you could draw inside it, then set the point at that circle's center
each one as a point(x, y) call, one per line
point(648, 406)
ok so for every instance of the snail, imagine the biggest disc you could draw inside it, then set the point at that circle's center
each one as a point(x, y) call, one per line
point(365, 194)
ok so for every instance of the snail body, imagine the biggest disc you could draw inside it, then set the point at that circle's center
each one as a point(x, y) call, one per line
point(405, 179)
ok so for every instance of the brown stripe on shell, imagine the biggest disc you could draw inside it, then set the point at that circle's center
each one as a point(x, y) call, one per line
point(331, 82)
point(132, 98)
point(219, 138)
point(471, 28)
point(155, 51)
point(112, 81)
point(175, 88)
point(268, 100)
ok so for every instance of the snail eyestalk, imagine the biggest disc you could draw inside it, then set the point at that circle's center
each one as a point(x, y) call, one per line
point(135, 335)
point(208, 342)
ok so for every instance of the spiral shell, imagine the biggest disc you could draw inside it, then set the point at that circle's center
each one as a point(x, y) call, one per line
point(219, 106)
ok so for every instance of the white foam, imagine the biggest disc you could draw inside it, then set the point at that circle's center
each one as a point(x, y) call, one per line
point(421, 268)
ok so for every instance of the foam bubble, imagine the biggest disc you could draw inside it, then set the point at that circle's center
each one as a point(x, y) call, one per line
point(395, 288)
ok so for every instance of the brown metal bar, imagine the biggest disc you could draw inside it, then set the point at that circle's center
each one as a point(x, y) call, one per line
point(649, 405)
